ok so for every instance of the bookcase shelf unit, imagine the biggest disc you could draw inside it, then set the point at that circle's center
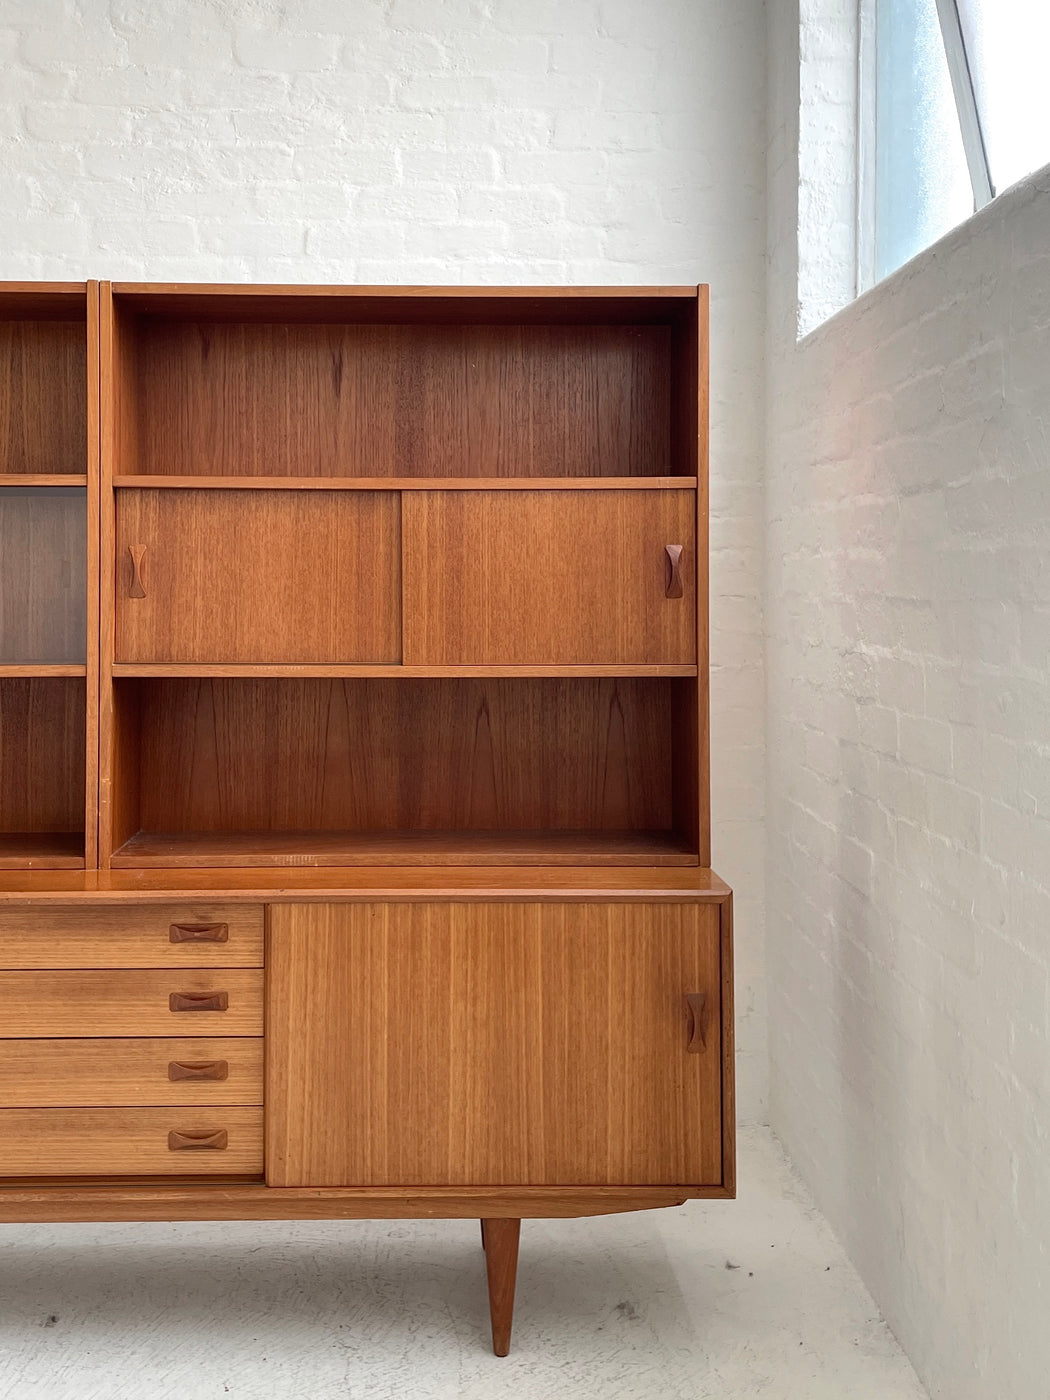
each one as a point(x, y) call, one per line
point(48, 574)
point(392, 577)
point(354, 774)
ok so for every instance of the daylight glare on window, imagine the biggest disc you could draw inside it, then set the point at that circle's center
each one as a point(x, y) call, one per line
point(922, 187)
point(961, 110)
point(1007, 45)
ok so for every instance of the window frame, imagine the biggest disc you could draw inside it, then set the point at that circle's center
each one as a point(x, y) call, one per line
point(965, 95)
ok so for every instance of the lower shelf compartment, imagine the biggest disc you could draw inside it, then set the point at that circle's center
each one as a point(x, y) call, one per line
point(149, 850)
point(41, 850)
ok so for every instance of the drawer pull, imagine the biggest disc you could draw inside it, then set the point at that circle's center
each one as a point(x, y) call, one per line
point(697, 1003)
point(198, 1069)
point(199, 933)
point(199, 1001)
point(673, 571)
point(138, 565)
point(215, 1139)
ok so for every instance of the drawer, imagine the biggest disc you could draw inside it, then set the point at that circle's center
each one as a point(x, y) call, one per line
point(131, 1141)
point(131, 935)
point(138, 1003)
point(119, 1073)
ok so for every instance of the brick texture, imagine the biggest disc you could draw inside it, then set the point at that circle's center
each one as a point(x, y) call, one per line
point(908, 607)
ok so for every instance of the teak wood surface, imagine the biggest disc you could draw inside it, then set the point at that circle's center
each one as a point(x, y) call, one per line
point(400, 400)
point(42, 769)
point(123, 1072)
point(514, 800)
point(43, 391)
point(123, 936)
point(258, 576)
point(542, 769)
point(556, 884)
point(127, 1141)
point(133, 1002)
point(546, 577)
point(506, 1044)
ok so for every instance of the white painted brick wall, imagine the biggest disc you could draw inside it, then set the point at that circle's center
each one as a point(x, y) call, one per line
point(445, 141)
point(908, 655)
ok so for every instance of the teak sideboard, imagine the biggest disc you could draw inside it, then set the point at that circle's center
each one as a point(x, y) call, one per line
point(354, 758)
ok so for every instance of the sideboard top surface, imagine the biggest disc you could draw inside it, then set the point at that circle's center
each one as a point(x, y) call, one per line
point(379, 883)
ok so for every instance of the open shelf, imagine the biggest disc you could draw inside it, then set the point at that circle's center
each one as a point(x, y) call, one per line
point(41, 850)
point(43, 478)
point(405, 388)
point(42, 772)
point(41, 668)
point(227, 772)
point(43, 386)
point(152, 850)
point(408, 483)
point(291, 670)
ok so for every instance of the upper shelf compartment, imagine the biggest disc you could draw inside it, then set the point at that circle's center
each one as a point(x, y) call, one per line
point(387, 385)
point(43, 383)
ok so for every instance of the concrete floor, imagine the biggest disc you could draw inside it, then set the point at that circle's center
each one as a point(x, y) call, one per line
point(727, 1300)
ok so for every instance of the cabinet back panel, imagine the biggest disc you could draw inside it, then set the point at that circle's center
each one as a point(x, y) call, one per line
point(43, 574)
point(42, 731)
point(43, 396)
point(403, 400)
point(383, 755)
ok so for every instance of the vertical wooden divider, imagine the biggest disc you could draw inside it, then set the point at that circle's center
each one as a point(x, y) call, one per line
point(108, 408)
point(703, 570)
point(91, 680)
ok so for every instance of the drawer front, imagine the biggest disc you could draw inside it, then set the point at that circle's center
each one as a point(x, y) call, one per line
point(549, 577)
point(99, 1073)
point(258, 576)
point(196, 1002)
point(129, 935)
point(131, 1141)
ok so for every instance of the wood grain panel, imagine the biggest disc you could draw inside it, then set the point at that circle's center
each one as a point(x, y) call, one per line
point(143, 1199)
point(42, 850)
point(545, 576)
point(126, 1141)
point(422, 755)
point(43, 396)
point(42, 731)
point(122, 1072)
point(642, 884)
point(115, 1003)
point(395, 400)
point(93, 547)
point(123, 936)
point(43, 573)
point(241, 849)
point(259, 576)
point(480, 1044)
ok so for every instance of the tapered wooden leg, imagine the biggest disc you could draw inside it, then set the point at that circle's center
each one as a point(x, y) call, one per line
point(483, 1243)
point(500, 1238)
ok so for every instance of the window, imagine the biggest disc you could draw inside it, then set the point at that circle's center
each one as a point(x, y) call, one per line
point(954, 107)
